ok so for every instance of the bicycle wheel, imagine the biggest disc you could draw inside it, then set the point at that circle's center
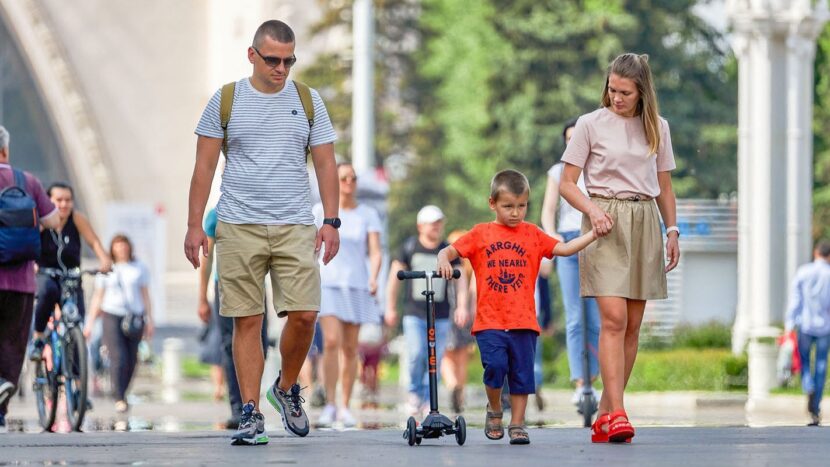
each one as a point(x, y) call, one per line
point(45, 388)
point(75, 377)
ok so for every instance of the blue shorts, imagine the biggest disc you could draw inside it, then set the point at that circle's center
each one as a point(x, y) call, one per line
point(508, 353)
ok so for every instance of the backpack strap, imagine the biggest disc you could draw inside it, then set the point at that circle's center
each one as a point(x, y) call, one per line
point(225, 107)
point(20, 180)
point(308, 107)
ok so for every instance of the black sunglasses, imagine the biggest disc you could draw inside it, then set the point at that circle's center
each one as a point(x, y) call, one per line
point(274, 62)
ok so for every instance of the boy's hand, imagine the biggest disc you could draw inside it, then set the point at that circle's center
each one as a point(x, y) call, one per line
point(445, 268)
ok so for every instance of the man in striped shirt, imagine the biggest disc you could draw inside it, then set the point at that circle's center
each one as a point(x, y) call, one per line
point(265, 220)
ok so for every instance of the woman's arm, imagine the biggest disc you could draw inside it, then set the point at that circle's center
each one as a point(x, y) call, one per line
point(87, 232)
point(375, 258)
point(601, 222)
point(148, 314)
point(549, 205)
point(667, 205)
point(94, 310)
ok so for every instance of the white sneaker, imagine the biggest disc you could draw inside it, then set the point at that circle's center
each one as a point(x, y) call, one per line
point(327, 416)
point(345, 417)
point(577, 395)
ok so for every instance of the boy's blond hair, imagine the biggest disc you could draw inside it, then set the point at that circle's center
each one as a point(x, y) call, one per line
point(509, 180)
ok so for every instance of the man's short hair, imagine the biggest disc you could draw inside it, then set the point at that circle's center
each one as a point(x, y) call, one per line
point(509, 180)
point(276, 30)
point(823, 248)
point(4, 137)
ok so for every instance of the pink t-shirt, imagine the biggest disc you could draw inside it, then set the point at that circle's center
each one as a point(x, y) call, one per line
point(613, 152)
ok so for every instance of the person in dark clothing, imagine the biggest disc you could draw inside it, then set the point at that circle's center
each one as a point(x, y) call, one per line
point(61, 248)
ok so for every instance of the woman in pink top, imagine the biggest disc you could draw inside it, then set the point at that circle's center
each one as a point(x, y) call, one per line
point(624, 149)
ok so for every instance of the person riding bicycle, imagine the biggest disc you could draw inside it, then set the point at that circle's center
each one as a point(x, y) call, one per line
point(61, 248)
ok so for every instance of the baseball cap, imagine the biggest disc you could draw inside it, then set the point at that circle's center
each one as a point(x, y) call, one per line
point(429, 214)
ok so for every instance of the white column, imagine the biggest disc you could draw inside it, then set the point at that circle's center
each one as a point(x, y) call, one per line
point(743, 314)
point(363, 123)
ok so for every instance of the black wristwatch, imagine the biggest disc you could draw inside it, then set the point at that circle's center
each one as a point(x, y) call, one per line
point(332, 221)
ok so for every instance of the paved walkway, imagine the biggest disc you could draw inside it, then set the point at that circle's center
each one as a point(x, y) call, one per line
point(551, 446)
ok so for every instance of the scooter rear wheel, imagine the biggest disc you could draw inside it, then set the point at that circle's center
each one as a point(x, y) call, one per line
point(460, 430)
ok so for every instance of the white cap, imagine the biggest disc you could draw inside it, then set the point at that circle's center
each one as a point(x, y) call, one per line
point(429, 214)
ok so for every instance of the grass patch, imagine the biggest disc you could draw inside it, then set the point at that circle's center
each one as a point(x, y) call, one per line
point(192, 368)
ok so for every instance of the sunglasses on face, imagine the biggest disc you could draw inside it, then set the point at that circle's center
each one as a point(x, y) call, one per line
point(274, 62)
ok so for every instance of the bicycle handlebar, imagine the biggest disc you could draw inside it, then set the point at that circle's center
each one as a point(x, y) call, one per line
point(403, 275)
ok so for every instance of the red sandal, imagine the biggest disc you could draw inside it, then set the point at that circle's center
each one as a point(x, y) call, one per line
point(619, 428)
point(597, 435)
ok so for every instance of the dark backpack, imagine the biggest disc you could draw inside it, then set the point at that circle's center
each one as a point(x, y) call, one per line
point(19, 231)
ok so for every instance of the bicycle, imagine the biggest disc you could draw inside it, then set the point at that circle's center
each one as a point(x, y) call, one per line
point(64, 362)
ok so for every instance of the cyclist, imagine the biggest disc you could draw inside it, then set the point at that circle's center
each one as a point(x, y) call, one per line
point(61, 248)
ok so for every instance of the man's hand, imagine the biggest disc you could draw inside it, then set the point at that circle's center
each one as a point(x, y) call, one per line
point(193, 241)
point(328, 235)
point(460, 317)
point(391, 317)
point(204, 311)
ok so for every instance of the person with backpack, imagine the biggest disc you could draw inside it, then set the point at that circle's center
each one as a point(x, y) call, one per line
point(267, 125)
point(420, 253)
point(24, 208)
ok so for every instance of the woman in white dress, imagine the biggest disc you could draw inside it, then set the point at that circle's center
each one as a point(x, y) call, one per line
point(349, 284)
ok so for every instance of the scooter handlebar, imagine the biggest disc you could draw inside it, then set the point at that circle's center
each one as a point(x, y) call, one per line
point(403, 275)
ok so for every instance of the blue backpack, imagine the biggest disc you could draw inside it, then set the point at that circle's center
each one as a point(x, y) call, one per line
point(19, 230)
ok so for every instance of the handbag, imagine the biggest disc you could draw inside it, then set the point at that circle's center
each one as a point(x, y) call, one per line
point(132, 324)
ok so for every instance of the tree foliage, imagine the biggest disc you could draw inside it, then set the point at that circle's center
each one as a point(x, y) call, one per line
point(489, 83)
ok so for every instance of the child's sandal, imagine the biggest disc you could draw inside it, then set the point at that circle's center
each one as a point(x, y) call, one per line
point(493, 427)
point(620, 429)
point(518, 434)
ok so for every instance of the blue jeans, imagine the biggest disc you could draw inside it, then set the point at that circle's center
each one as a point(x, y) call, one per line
point(812, 382)
point(415, 335)
point(567, 268)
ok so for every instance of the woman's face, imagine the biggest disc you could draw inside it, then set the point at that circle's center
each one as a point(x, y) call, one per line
point(624, 95)
point(348, 180)
point(121, 252)
point(62, 199)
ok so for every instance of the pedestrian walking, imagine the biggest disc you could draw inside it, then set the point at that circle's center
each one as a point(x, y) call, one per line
point(808, 313)
point(506, 255)
point(460, 341)
point(563, 222)
point(21, 194)
point(349, 287)
point(264, 214)
point(624, 151)
point(122, 301)
point(420, 253)
point(61, 248)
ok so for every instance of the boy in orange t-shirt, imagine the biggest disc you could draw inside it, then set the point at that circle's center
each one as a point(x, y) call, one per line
point(505, 255)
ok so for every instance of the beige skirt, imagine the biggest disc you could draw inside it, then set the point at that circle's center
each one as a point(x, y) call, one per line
point(629, 261)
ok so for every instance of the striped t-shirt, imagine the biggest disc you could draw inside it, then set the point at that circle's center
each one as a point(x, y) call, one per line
point(266, 179)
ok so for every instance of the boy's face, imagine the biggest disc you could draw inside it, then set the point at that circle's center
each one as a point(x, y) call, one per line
point(510, 209)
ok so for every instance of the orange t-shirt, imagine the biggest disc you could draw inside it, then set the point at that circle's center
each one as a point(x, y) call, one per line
point(506, 263)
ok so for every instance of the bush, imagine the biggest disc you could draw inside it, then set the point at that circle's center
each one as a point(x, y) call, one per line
point(712, 335)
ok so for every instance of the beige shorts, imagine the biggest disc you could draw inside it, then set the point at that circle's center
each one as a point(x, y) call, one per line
point(246, 252)
point(628, 262)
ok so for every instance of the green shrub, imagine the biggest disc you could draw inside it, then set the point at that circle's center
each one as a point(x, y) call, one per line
point(737, 371)
point(712, 335)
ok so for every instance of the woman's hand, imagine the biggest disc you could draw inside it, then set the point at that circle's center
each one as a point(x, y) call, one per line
point(373, 287)
point(601, 221)
point(149, 329)
point(672, 251)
